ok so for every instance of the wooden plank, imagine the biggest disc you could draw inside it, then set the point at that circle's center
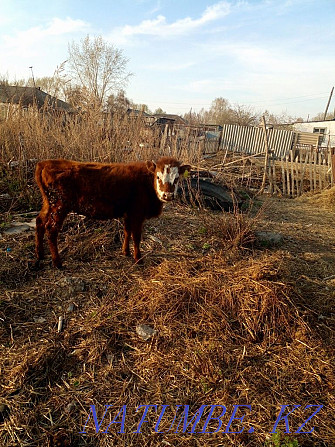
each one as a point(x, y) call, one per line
point(308, 138)
point(164, 137)
point(310, 167)
point(324, 176)
point(303, 173)
point(268, 173)
point(314, 171)
point(330, 163)
point(288, 176)
point(274, 179)
point(324, 173)
point(296, 166)
point(320, 170)
point(330, 169)
point(292, 173)
point(283, 175)
point(266, 154)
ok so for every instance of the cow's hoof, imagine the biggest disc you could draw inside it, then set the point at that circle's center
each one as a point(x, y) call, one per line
point(34, 266)
point(58, 265)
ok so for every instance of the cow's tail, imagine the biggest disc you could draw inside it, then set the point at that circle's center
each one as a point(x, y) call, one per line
point(39, 180)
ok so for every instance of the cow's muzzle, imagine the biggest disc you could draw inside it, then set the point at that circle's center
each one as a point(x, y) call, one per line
point(167, 196)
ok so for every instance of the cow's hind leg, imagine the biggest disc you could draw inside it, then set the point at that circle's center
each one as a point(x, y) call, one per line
point(53, 226)
point(41, 221)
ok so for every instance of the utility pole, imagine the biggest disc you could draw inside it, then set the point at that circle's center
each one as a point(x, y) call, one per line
point(32, 74)
point(330, 97)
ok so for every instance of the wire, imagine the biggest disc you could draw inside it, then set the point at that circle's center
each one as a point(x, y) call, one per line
point(272, 102)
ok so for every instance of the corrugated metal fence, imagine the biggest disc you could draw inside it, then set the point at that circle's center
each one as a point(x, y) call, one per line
point(250, 140)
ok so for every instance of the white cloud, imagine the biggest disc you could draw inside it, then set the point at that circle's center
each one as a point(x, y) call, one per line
point(201, 85)
point(4, 20)
point(161, 28)
point(58, 26)
point(43, 46)
point(169, 67)
point(156, 8)
point(31, 39)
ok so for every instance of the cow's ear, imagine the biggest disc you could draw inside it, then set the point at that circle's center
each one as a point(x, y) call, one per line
point(185, 170)
point(151, 165)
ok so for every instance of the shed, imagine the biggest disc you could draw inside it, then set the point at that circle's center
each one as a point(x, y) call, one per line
point(167, 118)
point(325, 128)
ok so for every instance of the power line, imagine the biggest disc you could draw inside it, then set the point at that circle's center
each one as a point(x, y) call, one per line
point(272, 102)
point(309, 97)
point(296, 102)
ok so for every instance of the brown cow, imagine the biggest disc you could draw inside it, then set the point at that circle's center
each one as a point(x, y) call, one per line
point(134, 191)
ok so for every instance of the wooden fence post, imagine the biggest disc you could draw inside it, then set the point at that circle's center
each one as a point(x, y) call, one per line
point(330, 155)
point(164, 137)
point(266, 154)
point(314, 169)
point(303, 173)
point(288, 176)
point(283, 175)
point(292, 172)
point(220, 140)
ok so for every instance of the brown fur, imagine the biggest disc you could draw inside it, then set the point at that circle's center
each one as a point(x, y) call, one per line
point(100, 191)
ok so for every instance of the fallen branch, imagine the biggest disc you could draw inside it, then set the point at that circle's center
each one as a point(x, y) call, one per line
point(237, 160)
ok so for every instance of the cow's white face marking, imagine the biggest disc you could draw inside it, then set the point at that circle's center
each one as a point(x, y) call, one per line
point(169, 175)
point(166, 183)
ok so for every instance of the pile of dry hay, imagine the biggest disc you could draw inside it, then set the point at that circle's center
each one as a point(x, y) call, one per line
point(231, 329)
point(325, 199)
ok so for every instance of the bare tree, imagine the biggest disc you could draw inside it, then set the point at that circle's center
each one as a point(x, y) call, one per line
point(197, 118)
point(243, 116)
point(141, 107)
point(118, 103)
point(98, 66)
point(281, 121)
point(221, 112)
point(159, 111)
point(78, 97)
point(320, 116)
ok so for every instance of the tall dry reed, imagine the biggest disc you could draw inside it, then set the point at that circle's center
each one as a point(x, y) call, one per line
point(27, 136)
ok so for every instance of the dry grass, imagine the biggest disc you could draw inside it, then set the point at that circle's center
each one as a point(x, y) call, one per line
point(235, 324)
point(324, 199)
point(27, 137)
point(232, 328)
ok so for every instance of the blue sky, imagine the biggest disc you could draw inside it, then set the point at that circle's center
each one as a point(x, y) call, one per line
point(267, 54)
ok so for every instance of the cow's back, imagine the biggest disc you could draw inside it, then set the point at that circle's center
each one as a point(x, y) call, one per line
point(100, 190)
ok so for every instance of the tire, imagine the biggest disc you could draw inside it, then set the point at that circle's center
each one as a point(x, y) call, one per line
point(210, 195)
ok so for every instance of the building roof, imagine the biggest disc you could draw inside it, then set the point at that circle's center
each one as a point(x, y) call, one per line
point(27, 96)
point(167, 116)
point(136, 112)
point(313, 121)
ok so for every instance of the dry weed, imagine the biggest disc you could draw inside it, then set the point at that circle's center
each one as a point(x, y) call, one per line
point(233, 324)
point(231, 329)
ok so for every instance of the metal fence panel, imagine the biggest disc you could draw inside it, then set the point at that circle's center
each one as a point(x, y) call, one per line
point(250, 140)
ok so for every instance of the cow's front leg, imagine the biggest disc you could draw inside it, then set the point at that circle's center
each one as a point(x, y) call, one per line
point(127, 234)
point(136, 233)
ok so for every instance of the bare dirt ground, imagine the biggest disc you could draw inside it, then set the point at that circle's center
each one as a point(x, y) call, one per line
point(239, 320)
point(307, 225)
